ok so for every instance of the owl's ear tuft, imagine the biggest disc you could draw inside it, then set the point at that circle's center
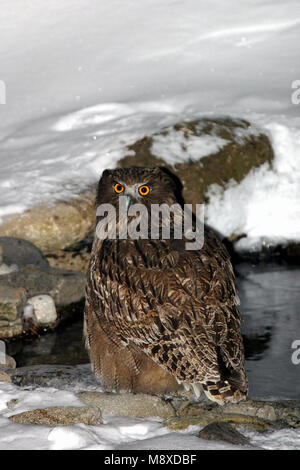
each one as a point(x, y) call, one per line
point(105, 173)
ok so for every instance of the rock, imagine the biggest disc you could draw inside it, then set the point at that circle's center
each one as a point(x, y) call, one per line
point(11, 329)
point(76, 257)
point(63, 286)
point(54, 227)
point(242, 147)
point(7, 365)
point(43, 309)
point(5, 269)
point(61, 377)
point(12, 403)
point(285, 410)
point(219, 431)
point(60, 416)
point(8, 361)
point(128, 404)
point(1, 254)
point(252, 414)
point(22, 253)
point(4, 377)
point(12, 301)
point(179, 423)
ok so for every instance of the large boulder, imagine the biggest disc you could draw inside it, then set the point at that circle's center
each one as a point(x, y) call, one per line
point(203, 152)
point(54, 227)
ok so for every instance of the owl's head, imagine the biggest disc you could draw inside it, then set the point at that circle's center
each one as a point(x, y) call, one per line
point(138, 185)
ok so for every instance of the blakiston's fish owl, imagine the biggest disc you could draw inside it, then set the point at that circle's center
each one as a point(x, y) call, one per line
point(158, 315)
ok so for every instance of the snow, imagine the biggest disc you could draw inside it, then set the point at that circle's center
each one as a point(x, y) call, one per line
point(84, 81)
point(265, 205)
point(116, 433)
point(169, 146)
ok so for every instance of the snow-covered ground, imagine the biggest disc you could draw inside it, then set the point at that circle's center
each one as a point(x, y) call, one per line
point(116, 433)
point(85, 78)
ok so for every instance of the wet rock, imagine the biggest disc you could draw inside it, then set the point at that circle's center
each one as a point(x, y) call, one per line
point(63, 286)
point(285, 410)
point(43, 309)
point(58, 376)
point(253, 414)
point(22, 253)
point(179, 423)
point(128, 404)
point(12, 301)
point(54, 227)
point(241, 148)
point(60, 416)
point(219, 431)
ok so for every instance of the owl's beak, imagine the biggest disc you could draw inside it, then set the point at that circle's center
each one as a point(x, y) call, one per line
point(128, 200)
point(130, 197)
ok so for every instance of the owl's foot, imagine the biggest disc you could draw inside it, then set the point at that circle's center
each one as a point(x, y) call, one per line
point(223, 392)
point(195, 388)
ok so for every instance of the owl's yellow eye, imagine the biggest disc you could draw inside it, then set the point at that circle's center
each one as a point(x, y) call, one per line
point(144, 190)
point(119, 188)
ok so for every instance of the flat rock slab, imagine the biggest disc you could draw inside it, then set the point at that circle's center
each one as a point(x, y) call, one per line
point(128, 404)
point(64, 286)
point(60, 416)
point(225, 432)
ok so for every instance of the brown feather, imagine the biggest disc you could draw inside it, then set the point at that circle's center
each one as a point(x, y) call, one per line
point(157, 311)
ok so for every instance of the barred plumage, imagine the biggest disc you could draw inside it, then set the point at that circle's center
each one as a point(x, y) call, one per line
point(158, 315)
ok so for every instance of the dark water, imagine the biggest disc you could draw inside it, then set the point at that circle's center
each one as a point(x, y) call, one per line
point(270, 305)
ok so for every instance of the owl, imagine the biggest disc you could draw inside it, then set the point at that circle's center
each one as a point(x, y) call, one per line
point(159, 316)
